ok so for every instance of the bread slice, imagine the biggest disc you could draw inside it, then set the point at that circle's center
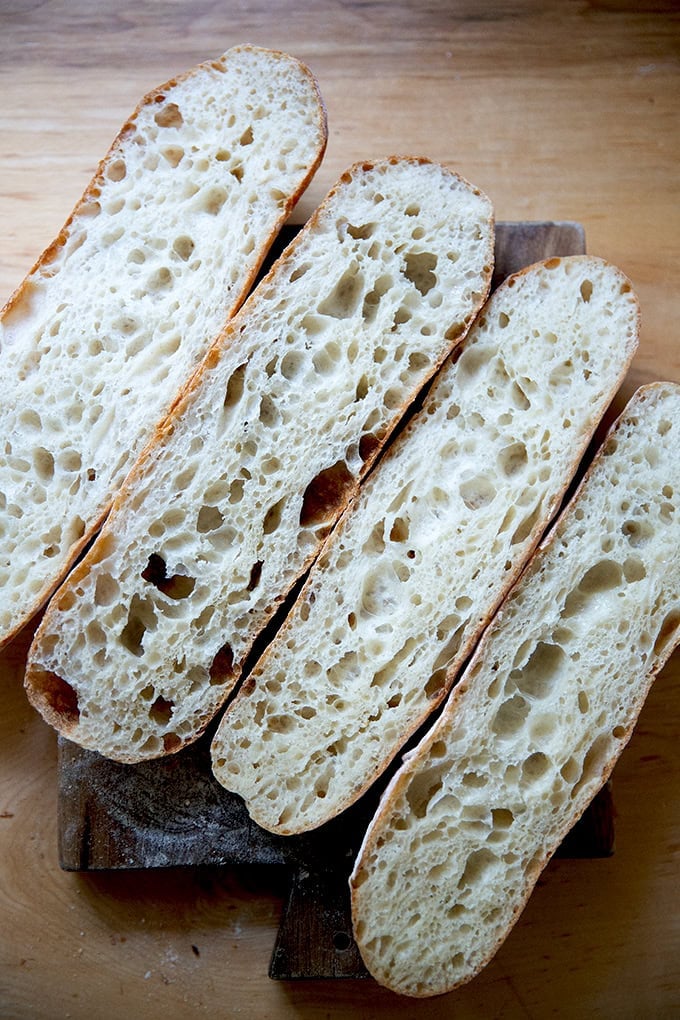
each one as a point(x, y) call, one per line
point(232, 500)
point(534, 727)
point(436, 537)
point(117, 313)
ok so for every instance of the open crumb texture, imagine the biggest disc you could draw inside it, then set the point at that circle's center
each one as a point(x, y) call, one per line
point(439, 532)
point(539, 718)
point(98, 341)
point(147, 638)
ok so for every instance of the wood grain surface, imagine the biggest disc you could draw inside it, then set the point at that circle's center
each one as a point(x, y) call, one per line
point(559, 111)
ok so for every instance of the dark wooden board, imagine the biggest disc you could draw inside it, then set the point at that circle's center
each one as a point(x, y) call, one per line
point(172, 812)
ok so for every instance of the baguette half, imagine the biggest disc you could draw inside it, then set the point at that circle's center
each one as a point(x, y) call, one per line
point(435, 539)
point(106, 329)
point(231, 502)
point(535, 726)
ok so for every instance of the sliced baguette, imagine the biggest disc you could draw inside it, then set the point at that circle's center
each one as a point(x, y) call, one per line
point(534, 727)
point(232, 500)
point(438, 534)
point(116, 315)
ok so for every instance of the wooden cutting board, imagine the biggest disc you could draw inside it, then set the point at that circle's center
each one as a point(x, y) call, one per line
point(172, 812)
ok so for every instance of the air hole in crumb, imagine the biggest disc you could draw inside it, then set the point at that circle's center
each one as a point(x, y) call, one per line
point(368, 444)
point(173, 154)
point(177, 586)
point(422, 788)
point(183, 246)
point(362, 232)
point(526, 526)
point(593, 763)
point(637, 531)
point(535, 679)
point(222, 666)
point(300, 271)
point(169, 116)
point(212, 200)
point(343, 300)
point(116, 171)
point(247, 137)
point(236, 490)
point(513, 458)
point(326, 495)
point(161, 710)
point(634, 569)
point(510, 716)
point(268, 413)
point(235, 385)
point(209, 519)
point(106, 590)
point(272, 518)
point(477, 492)
point(535, 767)
point(161, 279)
point(44, 464)
point(519, 397)
point(141, 617)
point(292, 364)
point(471, 360)
point(399, 531)
point(476, 868)
point(436, 684)
point(401, 316)
point(601, 577)
point(372, 299)
point(420, 270)
point(502, 818)
point(255, 574)
point(362, 389)
point(586, 289)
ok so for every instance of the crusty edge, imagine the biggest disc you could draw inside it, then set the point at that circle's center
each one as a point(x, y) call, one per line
point(512, 576)
point(165, 428)
point(419, 753)
point(92, 192)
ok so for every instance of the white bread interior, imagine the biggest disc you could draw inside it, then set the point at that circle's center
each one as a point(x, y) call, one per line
point(231, 501)
point(437, 535)
point(113, 319)
point(537, 722)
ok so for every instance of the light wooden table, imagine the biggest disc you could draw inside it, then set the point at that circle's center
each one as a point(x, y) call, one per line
point(569, 111)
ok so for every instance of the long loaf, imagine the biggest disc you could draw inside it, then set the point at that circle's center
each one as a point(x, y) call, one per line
point(440, 530)
point(233, 498)
point(538, 720)
point(107, 328)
